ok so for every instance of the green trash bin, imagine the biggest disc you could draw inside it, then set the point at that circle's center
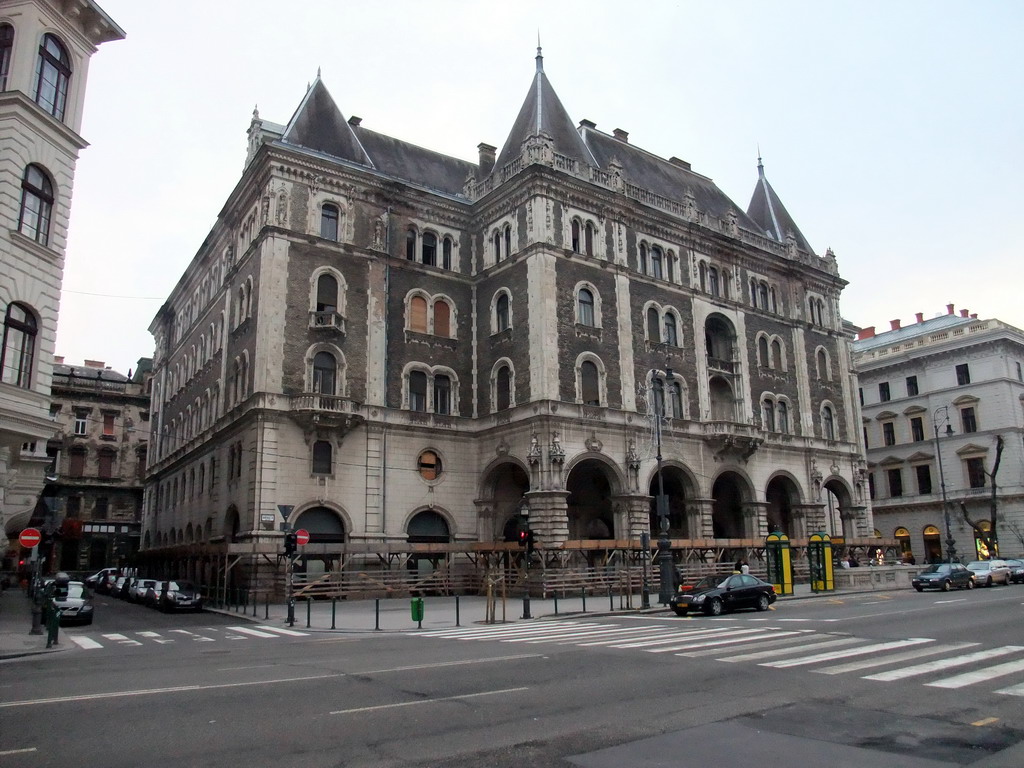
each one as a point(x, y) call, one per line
point(416, 607)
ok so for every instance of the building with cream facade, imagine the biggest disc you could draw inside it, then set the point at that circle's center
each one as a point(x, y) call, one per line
point(405, 347)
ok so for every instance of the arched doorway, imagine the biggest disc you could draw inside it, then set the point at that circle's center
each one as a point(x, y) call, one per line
point(589, 503)
point(728, 492)
point(932, 544)
point(837, 500)
point(325, 526)
point(428, 527)
point(506, 485)
point(723, 401)
point(906, 549)
point(232, 524)
point(678, 489)
point(781, 495)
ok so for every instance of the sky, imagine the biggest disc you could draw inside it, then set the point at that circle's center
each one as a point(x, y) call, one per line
point(892, 132)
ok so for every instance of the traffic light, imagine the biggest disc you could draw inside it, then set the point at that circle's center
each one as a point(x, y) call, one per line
point(524, 537)
point(289, 544)
point(529, 541)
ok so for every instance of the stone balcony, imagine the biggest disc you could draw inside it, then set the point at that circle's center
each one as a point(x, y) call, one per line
point(312, 410)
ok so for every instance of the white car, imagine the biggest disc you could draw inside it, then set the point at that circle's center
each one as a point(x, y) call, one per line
point(137, 591)
point(989, 572)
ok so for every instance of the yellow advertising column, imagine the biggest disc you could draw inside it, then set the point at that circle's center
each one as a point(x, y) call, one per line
point(780, 566)
point(819, 551)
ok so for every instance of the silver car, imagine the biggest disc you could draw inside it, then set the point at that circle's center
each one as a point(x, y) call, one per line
point(137, 591)
point(989, 572)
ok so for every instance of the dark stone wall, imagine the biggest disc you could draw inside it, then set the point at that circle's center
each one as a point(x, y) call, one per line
point(513, 343)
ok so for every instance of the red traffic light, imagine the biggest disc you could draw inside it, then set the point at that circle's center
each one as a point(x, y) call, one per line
point(524, 537)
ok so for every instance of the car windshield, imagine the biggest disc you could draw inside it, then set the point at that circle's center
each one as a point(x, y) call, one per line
point(937, 568)
point(181, 586)
point(979, 565)
point(710, 582)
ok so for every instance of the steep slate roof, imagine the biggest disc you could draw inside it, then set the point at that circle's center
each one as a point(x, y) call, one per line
point(542, 112)
point(771, 215)
point(661, 176)
point(402, 160)
point(319, 125)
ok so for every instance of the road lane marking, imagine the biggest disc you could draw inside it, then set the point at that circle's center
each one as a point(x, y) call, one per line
point(689, 638)
point(772, 634)
point(122, 639)
point(426, 701)
point(978, 676)
point(253, 666)
point(800, 661)
point(17, 751)
point(986, 721)
point(768, 641)
point(941, 664)
point(84, 642)
point(955, 600)
point(892, 658)
point(154, 636)
point(282, 631)
point(253, 632)
point(685, 634)
point(792, 649)
point(194, 636)
point(498, 632)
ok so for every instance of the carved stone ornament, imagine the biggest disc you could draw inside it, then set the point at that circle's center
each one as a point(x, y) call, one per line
point(593, 444)
point(741, 447)
point(502, 448)
point(534, 454)
point(632, 457)
point(556, 453)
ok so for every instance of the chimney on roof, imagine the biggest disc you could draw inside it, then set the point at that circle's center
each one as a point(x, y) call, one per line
point(965, 313)
point(949, 309)
point(621, 135)
point(919, 317)
point(974, 316)
point(354, 121)
point(584, 123)
point(681, 163)
point(894, 325)
point(486, 157)
point(58, 359)
point(94, 364)
point(866, 333)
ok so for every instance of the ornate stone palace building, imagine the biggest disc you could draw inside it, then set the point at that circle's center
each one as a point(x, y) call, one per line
point(408, 347)
point(45, 47)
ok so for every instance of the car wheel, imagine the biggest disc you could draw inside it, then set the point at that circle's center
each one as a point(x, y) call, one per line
point(762, 603)
point(919, 589)
point(714, 607)
point(679, 611)
point(945, 585)
point(970, 583)
point(988, 582)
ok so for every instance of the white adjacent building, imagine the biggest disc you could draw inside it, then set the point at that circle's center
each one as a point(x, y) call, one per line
point(935, 395)
point(45, 47)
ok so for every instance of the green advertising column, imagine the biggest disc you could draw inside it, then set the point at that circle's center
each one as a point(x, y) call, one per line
point(819, 551)
point(780, 566)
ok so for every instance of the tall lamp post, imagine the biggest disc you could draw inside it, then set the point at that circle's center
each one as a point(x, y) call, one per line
point(664, 544)
point(524, 512)
point(936, 419)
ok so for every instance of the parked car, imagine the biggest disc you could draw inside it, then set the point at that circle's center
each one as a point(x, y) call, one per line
point(75, 602)
point(117, 589)
point(989, 572)
point(716, 594)
point(137, 592)
point(180, 596)
point(1016, 566)
point(943, 576)
point(100, 577)
point(152, 597)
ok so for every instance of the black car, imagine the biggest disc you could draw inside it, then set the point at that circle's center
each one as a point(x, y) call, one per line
point(180, 596)
point(716, 594)
point(1016, 570)
point(74, 601)
point(943, 576)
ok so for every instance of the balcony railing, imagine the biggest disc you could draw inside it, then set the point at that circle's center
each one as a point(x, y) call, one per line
point(313, 401)
point(327, 320)
point(725, 366)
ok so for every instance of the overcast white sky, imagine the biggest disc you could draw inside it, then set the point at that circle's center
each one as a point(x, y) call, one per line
point(892, 132)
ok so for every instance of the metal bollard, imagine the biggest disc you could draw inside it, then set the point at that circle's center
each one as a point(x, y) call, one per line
point(583, 592)
point(611, 600)
point(376, 613)
point(457, 611)
point(334, 610)
point(266, 606)
point(555, 595)
point(309, 610)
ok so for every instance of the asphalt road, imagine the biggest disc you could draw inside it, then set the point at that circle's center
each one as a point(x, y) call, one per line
point(829, 682)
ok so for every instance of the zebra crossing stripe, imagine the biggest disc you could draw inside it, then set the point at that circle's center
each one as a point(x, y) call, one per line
point(758, 655)
point(194, 636)
point(548, 636)
point(941, 664)
point(122, 639)
point(253, 632)
point(833, 655)
point(282, 631)
point(84, 642)
point(893, 658)
point(768, 641)
point(979, 676)
point(674, 636)
point(1013, 690)
point(490, 631)
point(155, 637)
point(591, 634)
point(715, 645)
point(677, 638)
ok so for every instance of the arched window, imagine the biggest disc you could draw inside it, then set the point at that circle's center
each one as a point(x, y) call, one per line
point(322, 457)
point(501, 313)
point(775, 301)
point(446, 253)
point(410, 245)
point(508, 241)
point(418, 314)
point(325, 369)
point(782, 411)
point(657, 263)
point(713, 281)
point(675, 392)
point(326, 293)
point(429, 249)
point(36, 205)
point(828, 423)
point(329, 216)
point(643, 259)
point(670, 336)
point(53, 74)
point(18, 354)
point(777, 355)
point(763, 358)
point(823, 372)
point(762, 295)
point(703, 270)
point(442, 394)
point(418, 391)
point(585, 307)
point(670, 267)
point(497, 246)
point(442, 318)
point(576, 235)
point(589, 241)
point(768, 414)
point(590, 385)
point(503, 387)
point(6, 47)
point(653, 325)
point(753, 292)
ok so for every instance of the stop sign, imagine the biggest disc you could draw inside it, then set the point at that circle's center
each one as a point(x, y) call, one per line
point(30, 537)
point(302, 537)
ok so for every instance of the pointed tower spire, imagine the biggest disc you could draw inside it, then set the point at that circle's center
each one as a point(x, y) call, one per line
point(319, 125)
point(768, 212)
point(540, 56)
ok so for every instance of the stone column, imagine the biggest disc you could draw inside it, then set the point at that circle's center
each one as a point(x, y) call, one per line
point(635, 517)
point(698, 518)
point(855, 522)
point(549, 517)
point(755, 519)
point(485, 520)
point(814, 519)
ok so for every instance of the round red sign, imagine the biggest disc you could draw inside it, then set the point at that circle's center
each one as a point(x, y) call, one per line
point(30, 537)
point(302, 537)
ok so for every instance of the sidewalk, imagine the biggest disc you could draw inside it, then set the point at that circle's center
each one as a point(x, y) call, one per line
point(386, 615)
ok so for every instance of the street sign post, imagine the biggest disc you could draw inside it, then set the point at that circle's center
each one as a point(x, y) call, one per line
point(30, 537)
point(302, 537)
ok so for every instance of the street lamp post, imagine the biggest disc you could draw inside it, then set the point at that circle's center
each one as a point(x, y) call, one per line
point(664, 544)
point(944, 410)
point(524, 512)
